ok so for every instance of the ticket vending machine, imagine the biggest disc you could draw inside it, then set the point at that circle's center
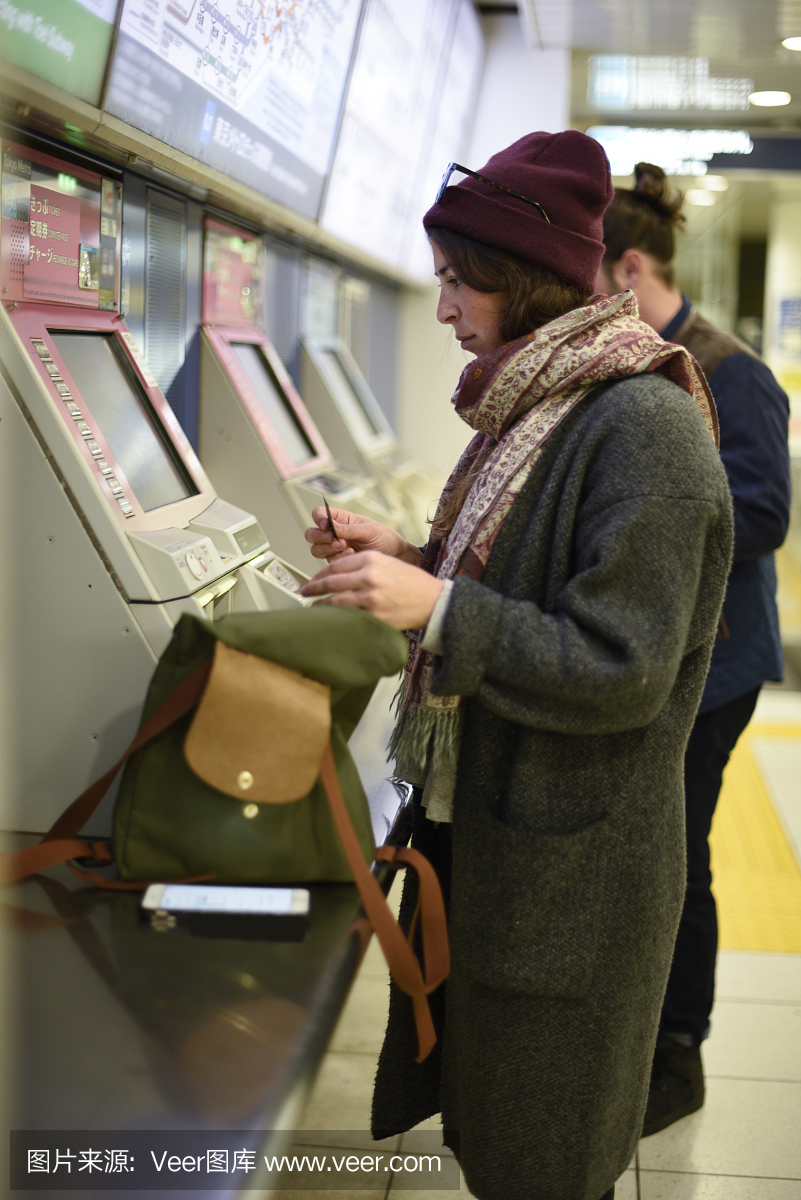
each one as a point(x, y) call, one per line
point(355, 427)
point(112, 526)
point(258, 442)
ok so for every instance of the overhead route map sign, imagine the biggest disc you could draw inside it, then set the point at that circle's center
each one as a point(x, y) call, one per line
point(251, 88)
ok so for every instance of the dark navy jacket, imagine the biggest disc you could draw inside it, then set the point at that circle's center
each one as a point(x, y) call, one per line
point(753, 412)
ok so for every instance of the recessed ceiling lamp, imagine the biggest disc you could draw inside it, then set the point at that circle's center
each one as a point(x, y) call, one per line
point(769, 99)
point(701, 197)
point(793, 43)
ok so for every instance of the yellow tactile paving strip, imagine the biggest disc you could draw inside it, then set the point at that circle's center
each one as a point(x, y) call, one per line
point(788, 571)
point(757, 880)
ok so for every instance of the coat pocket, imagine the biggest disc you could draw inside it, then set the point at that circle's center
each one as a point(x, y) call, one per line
point(528, 909)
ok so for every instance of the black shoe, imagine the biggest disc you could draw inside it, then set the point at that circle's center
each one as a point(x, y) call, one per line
point(677, 1084)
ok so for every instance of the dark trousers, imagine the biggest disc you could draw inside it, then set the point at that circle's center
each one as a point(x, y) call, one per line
point(691, 986)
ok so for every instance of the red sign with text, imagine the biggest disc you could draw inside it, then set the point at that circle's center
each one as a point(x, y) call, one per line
point(55, 268)
point(233, 278)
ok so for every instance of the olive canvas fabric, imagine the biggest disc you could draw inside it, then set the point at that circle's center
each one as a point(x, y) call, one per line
point(170, 824)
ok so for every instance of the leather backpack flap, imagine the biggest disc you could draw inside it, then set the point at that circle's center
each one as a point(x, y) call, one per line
point(260, 729)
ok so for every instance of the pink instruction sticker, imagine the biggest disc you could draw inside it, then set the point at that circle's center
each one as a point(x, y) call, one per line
point(52, 272)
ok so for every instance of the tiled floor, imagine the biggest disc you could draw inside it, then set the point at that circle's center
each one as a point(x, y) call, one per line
point(744, 1144)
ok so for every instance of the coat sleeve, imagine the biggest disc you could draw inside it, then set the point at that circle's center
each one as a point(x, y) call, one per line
point(605, 656)
point(754, 413)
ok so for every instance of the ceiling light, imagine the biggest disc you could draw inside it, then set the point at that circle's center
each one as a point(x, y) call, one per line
point(701, 197)
point(769, 99)
point(677, 151)
point(627, 81)
point(793, 43)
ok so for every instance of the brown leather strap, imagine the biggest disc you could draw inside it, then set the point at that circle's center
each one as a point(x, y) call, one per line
point(400, 957)
point(59, 844)
point(430, 912)
point(37, 858)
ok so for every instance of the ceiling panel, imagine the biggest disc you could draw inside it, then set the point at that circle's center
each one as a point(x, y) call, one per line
point(740, 38)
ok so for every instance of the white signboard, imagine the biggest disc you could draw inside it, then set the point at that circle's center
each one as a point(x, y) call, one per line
point(410, 100)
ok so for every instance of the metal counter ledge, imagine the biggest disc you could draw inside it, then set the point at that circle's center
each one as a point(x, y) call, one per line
point(114, 1026)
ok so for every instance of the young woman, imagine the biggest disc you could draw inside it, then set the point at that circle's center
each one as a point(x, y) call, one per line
point(563, 615)
point(753, 410)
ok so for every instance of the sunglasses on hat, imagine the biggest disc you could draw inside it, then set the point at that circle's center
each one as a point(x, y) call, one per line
point(483, 179)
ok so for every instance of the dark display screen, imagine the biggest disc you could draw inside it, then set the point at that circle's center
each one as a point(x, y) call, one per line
point(124, 418)
point(350, 398)
point(253, 90)
point(274, 402)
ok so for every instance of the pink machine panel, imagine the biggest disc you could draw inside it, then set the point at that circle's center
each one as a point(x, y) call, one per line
point(61, 232)
point(60, 239)
point(233, 317)
point(233, 276)
point(138, 452)
point(271, 400)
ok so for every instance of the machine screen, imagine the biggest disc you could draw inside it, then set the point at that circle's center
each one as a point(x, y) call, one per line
point(124, 418)
point(351, 399)
point(274, 402)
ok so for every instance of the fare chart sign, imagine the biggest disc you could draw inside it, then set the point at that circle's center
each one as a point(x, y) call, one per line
point(253, 89)
point(60, 235)
point(52, 271)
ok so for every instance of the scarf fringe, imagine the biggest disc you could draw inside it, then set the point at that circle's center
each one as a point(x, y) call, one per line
point(424, 737)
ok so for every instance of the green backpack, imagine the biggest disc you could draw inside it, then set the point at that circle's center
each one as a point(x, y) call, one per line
point(203, 829)
point(241, 774)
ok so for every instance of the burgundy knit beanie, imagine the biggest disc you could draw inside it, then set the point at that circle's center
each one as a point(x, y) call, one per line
point(568, 174)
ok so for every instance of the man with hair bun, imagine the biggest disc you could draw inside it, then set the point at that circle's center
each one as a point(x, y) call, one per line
point(753, 412)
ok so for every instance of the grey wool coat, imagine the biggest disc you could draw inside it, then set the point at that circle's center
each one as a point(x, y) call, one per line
point(581, 657)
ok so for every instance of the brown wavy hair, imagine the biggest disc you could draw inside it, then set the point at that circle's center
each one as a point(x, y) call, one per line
point(534, 296)
point(645, 217)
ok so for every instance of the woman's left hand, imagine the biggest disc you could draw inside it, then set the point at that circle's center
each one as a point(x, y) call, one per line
point(402, 595)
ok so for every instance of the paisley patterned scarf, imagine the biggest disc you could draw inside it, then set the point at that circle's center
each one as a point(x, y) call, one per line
point(515, 397)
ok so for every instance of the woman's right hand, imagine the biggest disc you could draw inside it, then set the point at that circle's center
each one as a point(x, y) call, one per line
point(356, 533)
